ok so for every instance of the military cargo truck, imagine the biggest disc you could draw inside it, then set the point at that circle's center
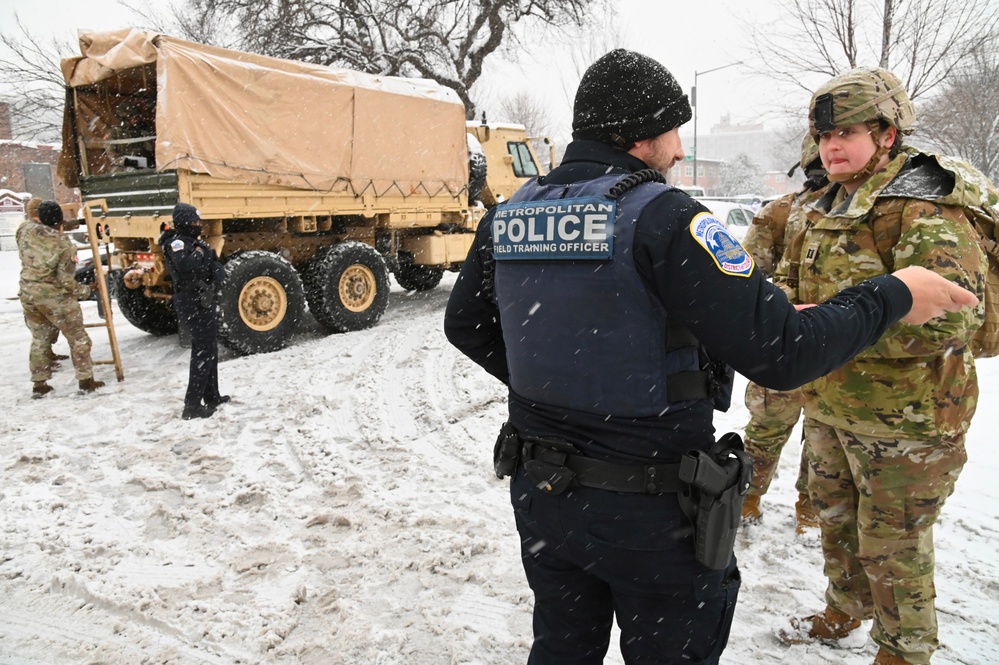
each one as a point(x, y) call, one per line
point(314, 183)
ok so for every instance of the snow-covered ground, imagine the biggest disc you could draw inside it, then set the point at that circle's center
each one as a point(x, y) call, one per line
point(342, 509)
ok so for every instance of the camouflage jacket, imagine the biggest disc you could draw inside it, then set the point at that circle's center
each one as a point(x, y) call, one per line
point(767, 237)
point(48, 264)
point(916, 381)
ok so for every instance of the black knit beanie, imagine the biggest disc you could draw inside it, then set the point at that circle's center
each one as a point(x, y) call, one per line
point(50, 213)
point(185, 214)
point(626, 97)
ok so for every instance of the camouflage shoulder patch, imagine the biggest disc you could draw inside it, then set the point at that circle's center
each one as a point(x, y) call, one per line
point(712, 234)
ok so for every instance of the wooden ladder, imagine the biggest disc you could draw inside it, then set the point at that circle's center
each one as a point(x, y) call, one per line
point(97, 239)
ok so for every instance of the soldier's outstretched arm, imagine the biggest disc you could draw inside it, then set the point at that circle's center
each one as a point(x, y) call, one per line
point(932, 295)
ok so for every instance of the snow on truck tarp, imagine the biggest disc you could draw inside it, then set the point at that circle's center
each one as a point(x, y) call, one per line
point(253, 118)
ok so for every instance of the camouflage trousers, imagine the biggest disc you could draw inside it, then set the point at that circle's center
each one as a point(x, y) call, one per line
point(45, 320)
point(773, 414)
point(877, 501)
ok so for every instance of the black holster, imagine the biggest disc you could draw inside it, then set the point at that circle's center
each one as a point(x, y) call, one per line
point(718, 481)
point(206, 294)
point(506, 452)
point(551, 472)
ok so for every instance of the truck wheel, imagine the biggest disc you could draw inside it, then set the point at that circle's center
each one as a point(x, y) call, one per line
point(151, 315)
point(261, 302)
point(349, 287)
point(416, 278)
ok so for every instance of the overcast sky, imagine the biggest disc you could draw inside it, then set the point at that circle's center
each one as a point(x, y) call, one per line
point(687, 36)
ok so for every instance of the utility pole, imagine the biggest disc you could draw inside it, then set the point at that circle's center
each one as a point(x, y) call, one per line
point(693, 102)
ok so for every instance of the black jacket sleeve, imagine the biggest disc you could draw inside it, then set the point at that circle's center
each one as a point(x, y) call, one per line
point(194, 262)
point(472, 320)
point(746, 321)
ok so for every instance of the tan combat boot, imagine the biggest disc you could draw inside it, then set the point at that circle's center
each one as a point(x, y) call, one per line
point(805, 515)
point(828, 625)
point(888, 658)
point(751, 513)
point(40, 389)
point(56, 357)
point(89, 385)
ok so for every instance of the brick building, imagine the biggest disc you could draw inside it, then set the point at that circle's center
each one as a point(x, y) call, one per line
point(30, 167)
point(724, 143)
point(26, 169)
point(708, 173)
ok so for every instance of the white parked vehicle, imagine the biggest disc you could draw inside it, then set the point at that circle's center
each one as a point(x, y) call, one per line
point(736, 216)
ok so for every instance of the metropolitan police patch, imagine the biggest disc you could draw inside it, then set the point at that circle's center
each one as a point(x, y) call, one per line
point(564, 229)
point(712, 234)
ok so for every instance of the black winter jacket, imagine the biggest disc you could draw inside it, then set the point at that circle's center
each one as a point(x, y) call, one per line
point(745, 322)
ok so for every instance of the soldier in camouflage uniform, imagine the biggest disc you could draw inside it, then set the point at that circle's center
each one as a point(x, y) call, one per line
point(774, 413)
point(887, 443)
point(31, 214)
point(49, 293)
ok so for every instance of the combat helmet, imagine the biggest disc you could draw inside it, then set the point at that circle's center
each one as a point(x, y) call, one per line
point(810, 162)
point(809, 152)
point(860, 95)
point(866, 95)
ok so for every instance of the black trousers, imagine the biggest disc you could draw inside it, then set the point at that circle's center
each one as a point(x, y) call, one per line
point(203, 378)
point(590, 554)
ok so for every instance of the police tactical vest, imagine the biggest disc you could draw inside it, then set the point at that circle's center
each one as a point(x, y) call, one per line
point(581, 330)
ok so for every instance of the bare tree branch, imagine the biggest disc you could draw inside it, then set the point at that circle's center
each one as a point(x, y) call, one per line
point(739, 176)
point(29, 68)
point(920, 40)
point(447, 40)
point(525, 109)
point(962, 117)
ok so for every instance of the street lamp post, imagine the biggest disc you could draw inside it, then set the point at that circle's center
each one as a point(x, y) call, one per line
point(693, 102)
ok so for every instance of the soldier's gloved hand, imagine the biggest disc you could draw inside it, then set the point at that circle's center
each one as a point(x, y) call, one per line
point(932, 295)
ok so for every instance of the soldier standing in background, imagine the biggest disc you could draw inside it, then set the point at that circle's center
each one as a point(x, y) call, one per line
point(774, 413)
point(886, 431)
point(49, 294)
point(31, 213)
point(197, 275)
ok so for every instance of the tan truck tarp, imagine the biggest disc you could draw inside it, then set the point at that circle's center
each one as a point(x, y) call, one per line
point(252, 118)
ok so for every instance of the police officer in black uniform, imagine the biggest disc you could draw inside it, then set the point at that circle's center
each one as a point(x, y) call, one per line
point(197, 275)
point(610, 303)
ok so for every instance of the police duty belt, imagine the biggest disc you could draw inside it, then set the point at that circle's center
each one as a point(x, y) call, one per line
point(556, 465)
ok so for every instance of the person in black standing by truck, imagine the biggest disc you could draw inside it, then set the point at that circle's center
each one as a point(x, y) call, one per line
point(597, 293)
point(197, 275)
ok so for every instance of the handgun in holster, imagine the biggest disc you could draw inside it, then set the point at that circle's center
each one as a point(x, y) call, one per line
point(506, 452)
point(718, 481)
point(206, 294)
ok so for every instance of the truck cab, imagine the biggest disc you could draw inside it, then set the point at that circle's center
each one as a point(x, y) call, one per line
point(511, 158)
